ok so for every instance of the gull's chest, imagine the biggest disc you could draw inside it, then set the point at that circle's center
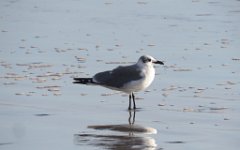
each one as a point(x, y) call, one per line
point(148, 75)
point(138, 85)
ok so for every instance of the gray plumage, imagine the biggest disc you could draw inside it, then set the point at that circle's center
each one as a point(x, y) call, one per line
point(118, 77)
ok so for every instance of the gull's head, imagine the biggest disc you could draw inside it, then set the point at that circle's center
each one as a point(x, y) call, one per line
point(147, 60)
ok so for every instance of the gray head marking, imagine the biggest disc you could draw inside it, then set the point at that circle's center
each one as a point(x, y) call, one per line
point(145, 59)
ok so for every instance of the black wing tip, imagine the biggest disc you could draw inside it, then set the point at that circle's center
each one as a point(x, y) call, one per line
point(82, 80)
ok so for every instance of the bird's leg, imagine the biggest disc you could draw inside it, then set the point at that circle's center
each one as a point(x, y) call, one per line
point(130, 97)
point(133, 97)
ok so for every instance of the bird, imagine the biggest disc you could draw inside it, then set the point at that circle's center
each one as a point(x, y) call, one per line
point(127, 79)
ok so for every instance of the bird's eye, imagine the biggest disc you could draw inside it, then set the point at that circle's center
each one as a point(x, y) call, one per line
point(147, 60)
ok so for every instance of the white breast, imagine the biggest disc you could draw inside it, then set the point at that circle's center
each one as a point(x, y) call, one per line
point(149, 77)
point(148, 74)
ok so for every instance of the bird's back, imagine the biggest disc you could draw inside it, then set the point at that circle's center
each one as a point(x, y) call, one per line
point(118, 76)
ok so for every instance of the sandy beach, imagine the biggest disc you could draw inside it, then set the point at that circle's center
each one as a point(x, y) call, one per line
point(193, 103)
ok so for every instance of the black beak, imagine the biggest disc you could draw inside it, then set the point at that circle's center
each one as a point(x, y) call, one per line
point(158, 62)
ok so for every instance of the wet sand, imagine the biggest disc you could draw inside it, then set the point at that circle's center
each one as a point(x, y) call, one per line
point(193, 102)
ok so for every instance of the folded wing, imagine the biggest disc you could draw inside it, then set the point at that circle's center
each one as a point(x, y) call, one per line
point(118, 77)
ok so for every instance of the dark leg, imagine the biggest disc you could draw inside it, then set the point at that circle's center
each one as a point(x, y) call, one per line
point(129, 106)
point(134, 104)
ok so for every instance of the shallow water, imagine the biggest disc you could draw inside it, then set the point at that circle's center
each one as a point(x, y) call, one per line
point(192, 103)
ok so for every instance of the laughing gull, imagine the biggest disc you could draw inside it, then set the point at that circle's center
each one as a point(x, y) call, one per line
point(128, 79)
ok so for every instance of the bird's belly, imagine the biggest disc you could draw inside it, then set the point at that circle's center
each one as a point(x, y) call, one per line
point(138, 85)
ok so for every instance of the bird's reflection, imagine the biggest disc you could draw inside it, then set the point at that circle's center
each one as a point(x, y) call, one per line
point(131, 119)
point(120, 136)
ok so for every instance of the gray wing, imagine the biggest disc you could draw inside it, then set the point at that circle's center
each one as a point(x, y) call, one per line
point(119, 76)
